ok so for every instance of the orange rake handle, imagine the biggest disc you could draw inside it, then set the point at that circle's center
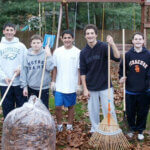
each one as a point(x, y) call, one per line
point(109, 109)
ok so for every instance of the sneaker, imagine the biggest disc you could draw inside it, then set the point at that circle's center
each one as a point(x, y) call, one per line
point(130, 134)
point(92, 130)
point(60, 128)
point(69, 127)
point(140, 137)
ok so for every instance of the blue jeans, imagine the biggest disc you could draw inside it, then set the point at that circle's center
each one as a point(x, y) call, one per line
point(13, 98)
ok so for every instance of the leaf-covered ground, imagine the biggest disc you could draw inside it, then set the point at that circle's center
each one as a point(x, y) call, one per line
point(78, 138)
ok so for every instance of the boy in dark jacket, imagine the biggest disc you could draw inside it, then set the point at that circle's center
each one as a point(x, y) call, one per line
point(137, 69)
point(94, 74)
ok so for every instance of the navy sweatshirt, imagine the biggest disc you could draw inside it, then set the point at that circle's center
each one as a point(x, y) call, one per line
point(137, 70)
point(94, 64)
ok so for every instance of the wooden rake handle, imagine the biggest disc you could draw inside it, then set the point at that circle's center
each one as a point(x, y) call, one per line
point(43, 72)
point(109, 109)
point(14, 76)
point(42, 79)
point(124, 74)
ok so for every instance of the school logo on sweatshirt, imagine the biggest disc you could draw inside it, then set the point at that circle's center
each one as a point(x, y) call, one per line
point(35, 64)
point(137, 63)
point(9, 53)
point(137, 68)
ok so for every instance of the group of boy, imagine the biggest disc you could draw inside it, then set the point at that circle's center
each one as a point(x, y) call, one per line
point(71, 67)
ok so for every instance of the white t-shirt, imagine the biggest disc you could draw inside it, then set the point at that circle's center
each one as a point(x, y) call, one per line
point(67, 63)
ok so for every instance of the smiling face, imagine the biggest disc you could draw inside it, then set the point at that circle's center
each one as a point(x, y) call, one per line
point(9, 33)
point(90, 36)
point(36, 45)
point(138, 41)
point(67, 40)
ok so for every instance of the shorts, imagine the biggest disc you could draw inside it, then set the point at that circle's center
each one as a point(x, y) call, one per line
point(65, 99)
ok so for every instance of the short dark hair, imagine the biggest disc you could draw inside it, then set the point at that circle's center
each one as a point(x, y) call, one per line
point(90, 26)
point(36, 37)
point(137, 33)
point(67, 32)
point(9, 24)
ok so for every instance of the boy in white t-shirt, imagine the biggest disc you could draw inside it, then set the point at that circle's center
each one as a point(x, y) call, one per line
point(65, 78)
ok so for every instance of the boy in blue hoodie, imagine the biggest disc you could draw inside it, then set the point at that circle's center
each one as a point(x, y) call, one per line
point(137, 68)
point(32, 68)
point(12, 52)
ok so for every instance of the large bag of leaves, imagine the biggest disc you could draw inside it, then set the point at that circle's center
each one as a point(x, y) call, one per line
point(30, 127)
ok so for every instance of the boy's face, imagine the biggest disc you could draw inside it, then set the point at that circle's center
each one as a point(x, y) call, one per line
point(138, 41)
point(67, 40)
point(9, 33)
point(90, 36)
point(36, 44)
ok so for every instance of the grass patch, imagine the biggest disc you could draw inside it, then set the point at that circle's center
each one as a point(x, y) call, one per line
point(51, 103)
point(148, 121)
point(80, 112)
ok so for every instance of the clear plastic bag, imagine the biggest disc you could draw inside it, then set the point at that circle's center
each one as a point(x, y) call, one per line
point(30, 127)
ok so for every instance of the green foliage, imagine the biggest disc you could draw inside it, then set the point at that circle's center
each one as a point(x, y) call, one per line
point(117, 15)
point(80, 110)
point(148, 121)
point(17, 11)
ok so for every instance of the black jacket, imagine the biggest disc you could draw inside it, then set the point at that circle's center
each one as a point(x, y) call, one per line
point(137, 70)
point(94, 64)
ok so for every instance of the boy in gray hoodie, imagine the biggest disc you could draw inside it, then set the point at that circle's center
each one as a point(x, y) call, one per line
point(12, 52)
point(31, 72)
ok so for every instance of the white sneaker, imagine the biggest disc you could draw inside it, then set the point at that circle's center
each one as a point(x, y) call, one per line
point(130, 134)
point(140, 137)
point(60, 128)
point(69, 127)
point(92, 130)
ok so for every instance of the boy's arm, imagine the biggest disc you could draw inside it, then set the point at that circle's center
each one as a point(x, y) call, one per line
point(79, 77)
point(121, 78)
point(18, 69)
point(2, 73)
point(148, 82)
point(83, 71)
point(114, 47)
point(121, 69)
point(79, 90)
point(23, 80)
point(49, 63)
point(121, 75)
point(86, 92)
point(54, 73)
point(148, 77)
point(23, 74)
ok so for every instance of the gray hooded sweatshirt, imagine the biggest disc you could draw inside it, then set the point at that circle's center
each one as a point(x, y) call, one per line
point(32, 68)
point(11, 56)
